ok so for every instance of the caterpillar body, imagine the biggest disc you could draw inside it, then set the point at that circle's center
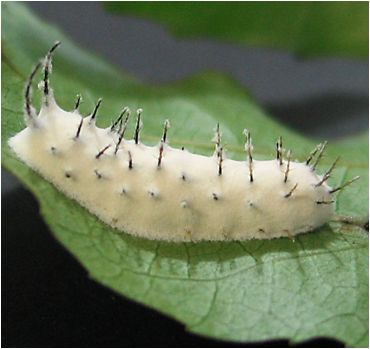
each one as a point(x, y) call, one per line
point(165, 193)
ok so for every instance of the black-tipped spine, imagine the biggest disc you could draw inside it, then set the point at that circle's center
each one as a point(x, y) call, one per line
point(119, 120)
point(328, 173)
point(28, 94)
point(279, 150)
point(160, 156)
point(47, 70)
point(95, 111)
point(312, 154)
point(218, 148)
point(217, 138)
point(289, 194)
point(249, 149)
point(323, 202)
point(220, 160)
point(344, 185)
point(101, 152)
point(79, 128)
point(138, 126)
point(78, 102)
point(122, 133)
point(320, 155)
point(166, 126)
point(287, 166)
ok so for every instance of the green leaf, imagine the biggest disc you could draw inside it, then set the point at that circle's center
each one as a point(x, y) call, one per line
point(240, 291)
point(306, 28)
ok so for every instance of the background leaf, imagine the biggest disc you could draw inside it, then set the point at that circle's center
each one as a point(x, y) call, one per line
point(306, 28)
point(255, 290)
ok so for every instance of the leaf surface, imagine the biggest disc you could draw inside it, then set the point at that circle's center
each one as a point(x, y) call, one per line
point(240, 291)
point(308, 29)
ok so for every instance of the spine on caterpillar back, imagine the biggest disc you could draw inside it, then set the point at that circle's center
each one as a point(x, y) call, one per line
point(166, 193)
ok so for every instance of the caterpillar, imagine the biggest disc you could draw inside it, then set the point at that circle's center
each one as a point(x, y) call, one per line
point(163, 193)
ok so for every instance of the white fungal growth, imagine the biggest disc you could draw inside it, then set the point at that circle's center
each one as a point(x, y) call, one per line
point(166, 193)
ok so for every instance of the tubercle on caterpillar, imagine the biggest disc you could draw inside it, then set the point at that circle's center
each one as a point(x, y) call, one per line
point(165, 193)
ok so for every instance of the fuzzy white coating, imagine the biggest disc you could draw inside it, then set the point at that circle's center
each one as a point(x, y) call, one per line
point(185, 199)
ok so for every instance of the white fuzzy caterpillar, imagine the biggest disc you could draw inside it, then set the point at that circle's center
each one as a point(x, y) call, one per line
point(165, 193)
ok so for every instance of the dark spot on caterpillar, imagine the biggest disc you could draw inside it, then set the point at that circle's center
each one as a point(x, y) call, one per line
point(67, 174)
point(182, 148)
point(215, 196)
point(98, 174)
point(261, 230)
point(183, 177)
point(366, 226)
point(53, 150)
point(153, 194)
